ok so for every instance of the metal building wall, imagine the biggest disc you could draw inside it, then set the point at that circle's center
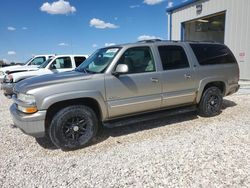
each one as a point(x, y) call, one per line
point(237, 26)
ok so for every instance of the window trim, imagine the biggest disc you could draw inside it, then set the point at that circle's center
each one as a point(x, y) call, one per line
point(79, 57)
point(49, 65)
point(32, 61)
point(229, 53)
point(151, 51)
point(173, 45)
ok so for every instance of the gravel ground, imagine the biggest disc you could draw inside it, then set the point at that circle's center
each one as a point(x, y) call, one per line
point(178, 151)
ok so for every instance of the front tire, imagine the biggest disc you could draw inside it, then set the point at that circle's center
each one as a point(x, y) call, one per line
point(73, 127)
point(211, 102)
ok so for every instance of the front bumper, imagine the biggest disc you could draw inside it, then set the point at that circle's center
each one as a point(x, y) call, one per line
point(31, 124)
point(8, 89)
point(2, 78)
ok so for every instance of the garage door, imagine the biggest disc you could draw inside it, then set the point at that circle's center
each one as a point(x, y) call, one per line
point(209, 28)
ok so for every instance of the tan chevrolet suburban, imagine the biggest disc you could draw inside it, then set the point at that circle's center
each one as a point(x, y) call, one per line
point(120, 82)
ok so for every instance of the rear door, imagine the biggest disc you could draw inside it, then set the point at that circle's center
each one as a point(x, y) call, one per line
point(178, 76)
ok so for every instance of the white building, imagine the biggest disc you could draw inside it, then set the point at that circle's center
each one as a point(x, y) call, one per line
point(225, 21)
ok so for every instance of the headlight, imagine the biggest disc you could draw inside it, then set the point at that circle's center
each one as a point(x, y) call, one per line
point(30, 99)
point(28, 110)
point(1, 73)
point(8, 78)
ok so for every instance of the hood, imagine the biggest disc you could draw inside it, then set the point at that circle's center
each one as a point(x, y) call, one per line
point(24, 68)
point(50, 79)
point(4, 69)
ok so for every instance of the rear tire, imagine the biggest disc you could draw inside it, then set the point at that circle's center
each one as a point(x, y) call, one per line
point(73, 127)
point(211, 102)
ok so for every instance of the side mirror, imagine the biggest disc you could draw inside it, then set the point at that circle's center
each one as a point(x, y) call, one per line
point(121, 69)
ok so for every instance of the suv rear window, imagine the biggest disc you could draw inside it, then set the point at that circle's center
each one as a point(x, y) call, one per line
point(210, 54)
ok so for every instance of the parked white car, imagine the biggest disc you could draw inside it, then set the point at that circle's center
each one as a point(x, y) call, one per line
point(31, 64)
point(59, 63)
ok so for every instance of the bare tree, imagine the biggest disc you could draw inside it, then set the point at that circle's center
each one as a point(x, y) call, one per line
point(1, 63)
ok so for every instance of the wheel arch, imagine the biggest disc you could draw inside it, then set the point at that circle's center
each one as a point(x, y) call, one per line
point(203, 86)
point(87, 101)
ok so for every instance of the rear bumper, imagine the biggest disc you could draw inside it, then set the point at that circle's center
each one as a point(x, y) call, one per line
point(31, 124)
point(233, 88)
point(7, 89)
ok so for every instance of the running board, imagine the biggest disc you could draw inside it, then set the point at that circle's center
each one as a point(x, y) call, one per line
point(148, 116)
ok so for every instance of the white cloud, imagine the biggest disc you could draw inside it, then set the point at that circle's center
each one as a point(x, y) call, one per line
point(58, 7)
point(100, 24)
point(153, 2)
point(94, 45)
point(109, 44)
point(24, 28)
point(134, 6)
point(63, 44)
point(147, 37)
point(11, 28)
point(170, 4)
point(11, 53)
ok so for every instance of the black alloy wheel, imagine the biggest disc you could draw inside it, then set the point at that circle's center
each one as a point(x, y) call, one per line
point(211, 102)
point(73, 127)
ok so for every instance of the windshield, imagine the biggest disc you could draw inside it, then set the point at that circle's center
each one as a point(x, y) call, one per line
point(27, 62)
point(45, 63)
point(38, 60)
point(98, 61)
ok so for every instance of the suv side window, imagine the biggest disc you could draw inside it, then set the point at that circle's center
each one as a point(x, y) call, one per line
point(62, 63)
point(79, 60)
point(210, 54)
point(173, 57)
point(38, 61)
point(138, 59)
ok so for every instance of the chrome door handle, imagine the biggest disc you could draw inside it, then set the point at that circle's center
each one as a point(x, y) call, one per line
point(187, 76)
point(154, 80)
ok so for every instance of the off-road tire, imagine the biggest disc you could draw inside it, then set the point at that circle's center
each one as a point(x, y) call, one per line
point(73, 127)
point(211, 102)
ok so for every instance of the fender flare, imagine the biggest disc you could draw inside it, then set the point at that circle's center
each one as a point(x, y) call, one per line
point(206, 81)
point(60, 97)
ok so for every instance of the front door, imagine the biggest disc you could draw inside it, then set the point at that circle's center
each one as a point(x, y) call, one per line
point(138, 90)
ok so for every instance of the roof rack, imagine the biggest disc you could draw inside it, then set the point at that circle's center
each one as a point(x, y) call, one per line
point(149, 40)
point(200, 41)
point(157, 40)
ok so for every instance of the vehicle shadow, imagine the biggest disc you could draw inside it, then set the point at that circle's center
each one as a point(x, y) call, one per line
point(106, 133)
point(227, 104)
